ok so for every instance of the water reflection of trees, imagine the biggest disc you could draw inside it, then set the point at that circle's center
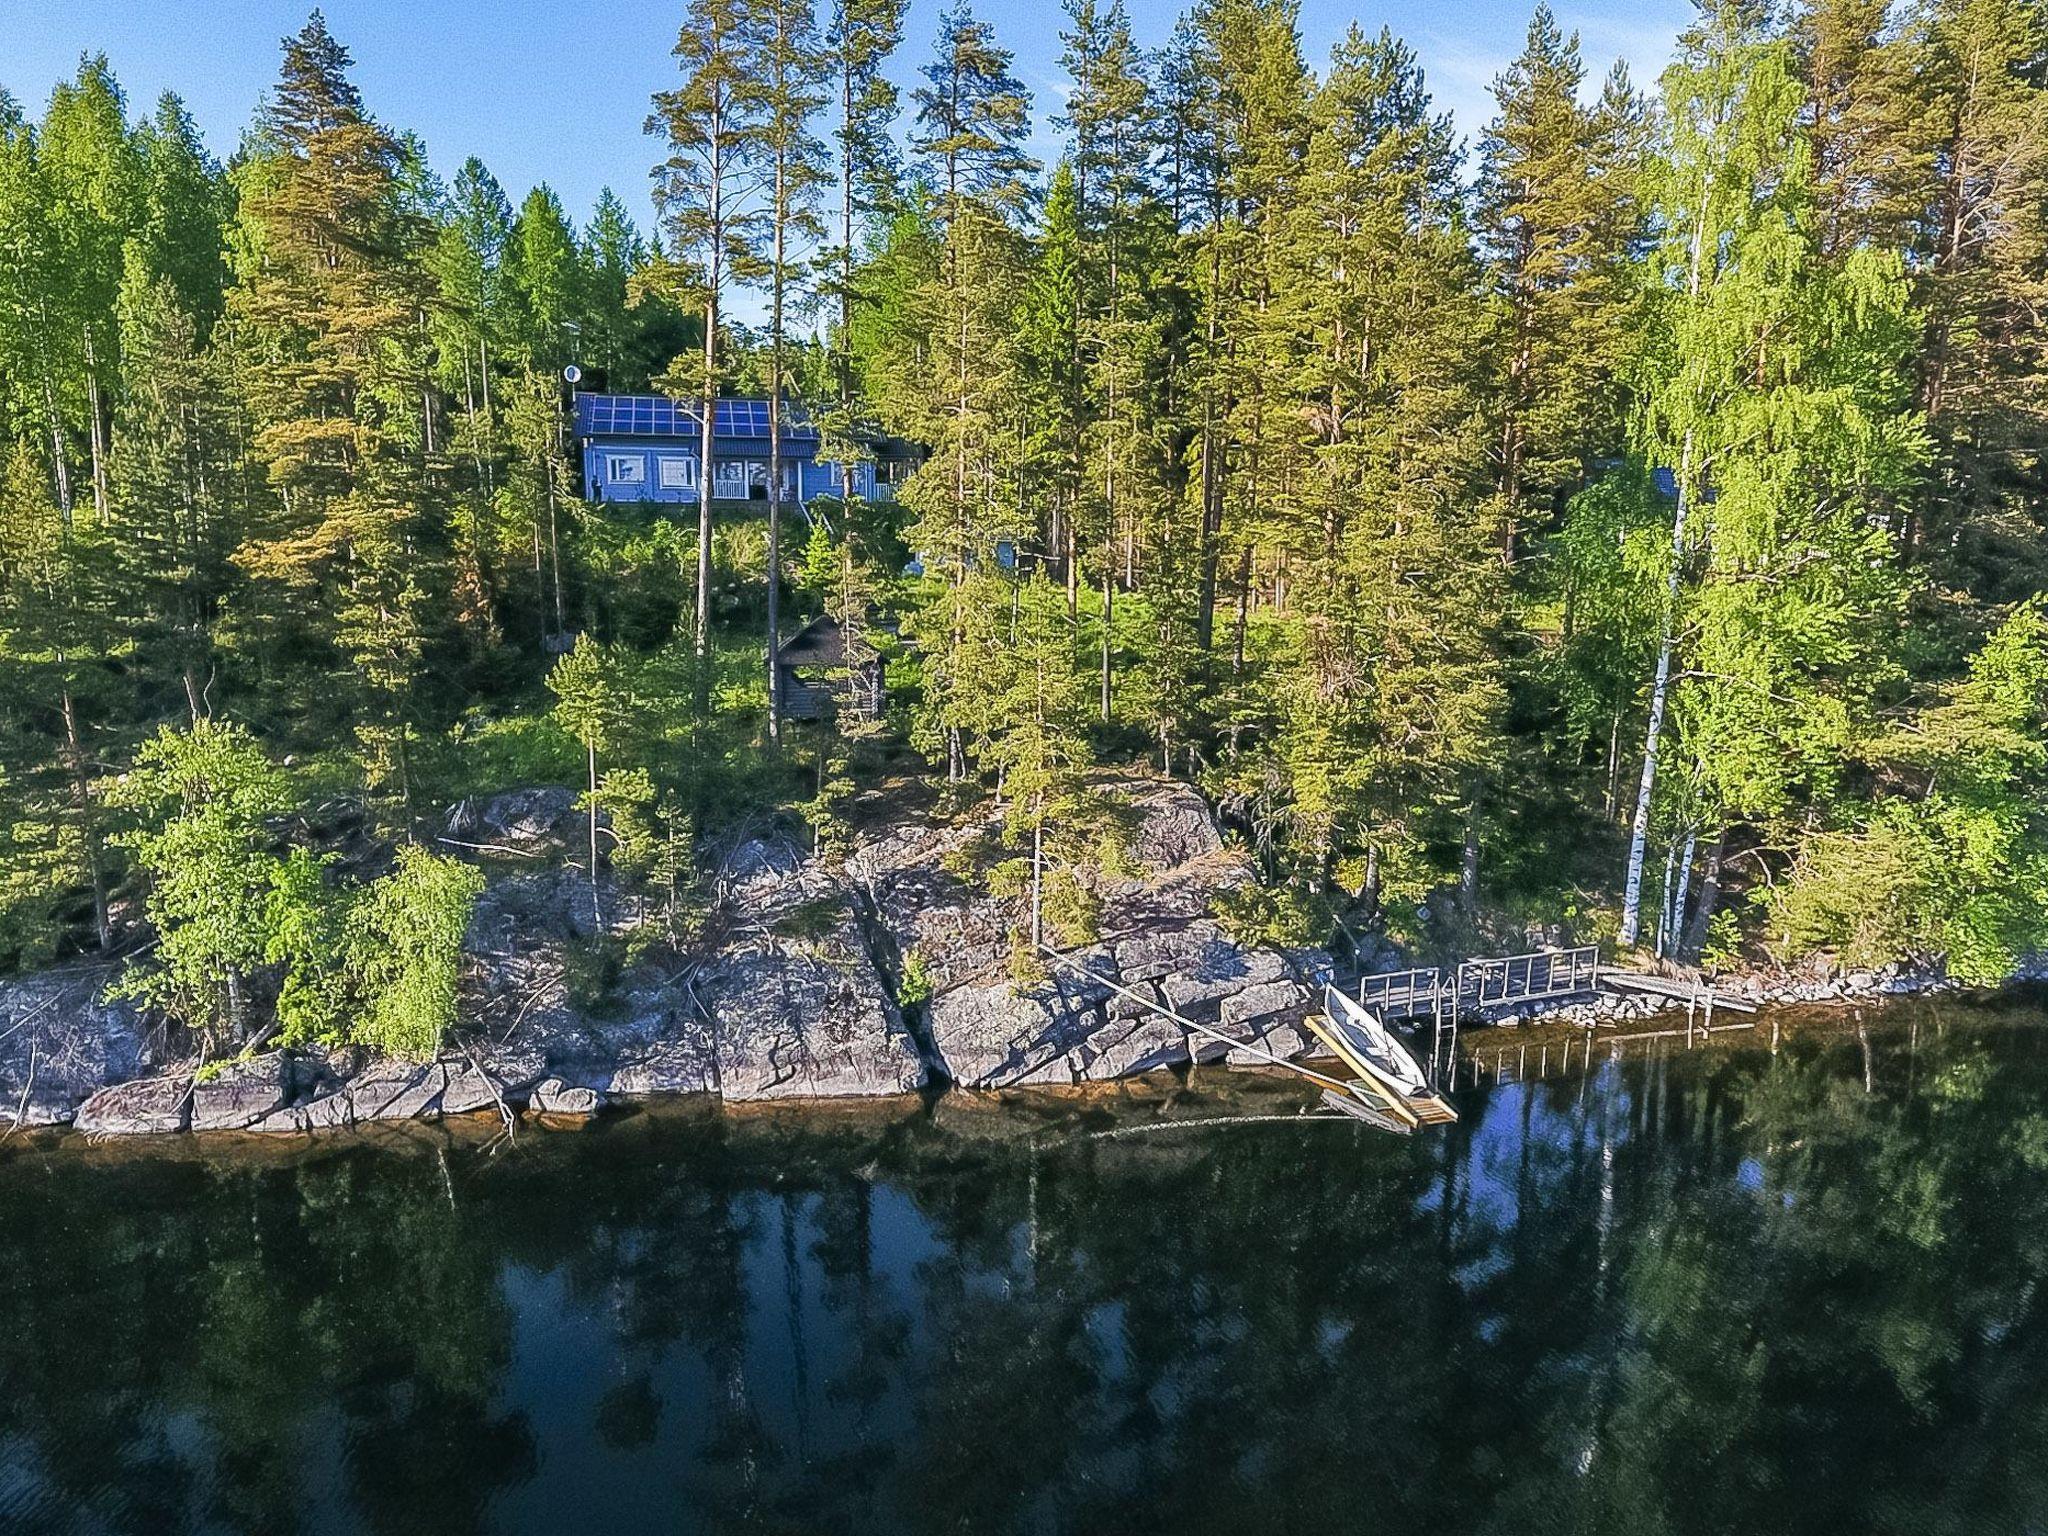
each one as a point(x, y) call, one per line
point(1771, 1293)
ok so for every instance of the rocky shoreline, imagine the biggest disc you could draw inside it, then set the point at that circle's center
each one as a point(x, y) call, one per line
point(804, 987)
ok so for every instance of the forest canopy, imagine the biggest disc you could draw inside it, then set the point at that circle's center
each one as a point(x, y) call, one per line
point(1630, 521)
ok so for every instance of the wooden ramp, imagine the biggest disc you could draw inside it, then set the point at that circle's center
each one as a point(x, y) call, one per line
point(1389, 1080)
point(1677, 991)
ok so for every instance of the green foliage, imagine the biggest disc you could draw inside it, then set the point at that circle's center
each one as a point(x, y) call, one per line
point(403, 939)
point(203, 802)
point(916, 985)
point(1953, 863)
point(1268, 437)
point(371, 965)
point(1289, 914)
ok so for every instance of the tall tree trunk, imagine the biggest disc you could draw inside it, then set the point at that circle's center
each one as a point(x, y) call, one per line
point(775, 326)
point(81, 794)
point(596, 913)
point(1674, 920)
point(1108, 637)
point(1694, 940)
point(1468, 862)
point(1660, 688)
point(707, 482)
point(1038, 880)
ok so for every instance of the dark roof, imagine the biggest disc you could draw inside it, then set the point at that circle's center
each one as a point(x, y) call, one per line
point(822, 643)
point(659, 416)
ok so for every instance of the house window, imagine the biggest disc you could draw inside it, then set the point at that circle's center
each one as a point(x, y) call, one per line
point(625, 468)
point(732, 477)
point(678, 473)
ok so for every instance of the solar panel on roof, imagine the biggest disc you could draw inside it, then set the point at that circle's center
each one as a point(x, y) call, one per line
point(658, 416)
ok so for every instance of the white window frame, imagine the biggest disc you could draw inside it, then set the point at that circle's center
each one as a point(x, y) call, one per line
point(625, 468)
point(731, 474)
point(678, 472)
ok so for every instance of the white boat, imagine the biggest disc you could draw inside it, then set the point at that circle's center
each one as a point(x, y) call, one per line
point(1375, 1044)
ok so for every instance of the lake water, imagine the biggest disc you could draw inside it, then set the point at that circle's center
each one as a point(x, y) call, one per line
point(1722, 1291)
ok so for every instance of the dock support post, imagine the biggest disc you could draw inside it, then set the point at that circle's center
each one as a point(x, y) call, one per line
point(1436, 1072)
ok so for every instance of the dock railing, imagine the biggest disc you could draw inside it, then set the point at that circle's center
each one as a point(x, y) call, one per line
point(1401, 994)
point(1490, 983)
point(1524, 978)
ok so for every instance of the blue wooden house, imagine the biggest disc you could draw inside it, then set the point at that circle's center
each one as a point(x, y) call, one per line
point(646, 447)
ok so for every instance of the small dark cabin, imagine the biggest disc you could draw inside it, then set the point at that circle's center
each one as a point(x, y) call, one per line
point(820, 670)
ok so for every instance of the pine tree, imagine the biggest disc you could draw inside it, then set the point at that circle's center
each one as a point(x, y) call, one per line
point(593, 688)
point(1122, 244)
point(185, 210)
point(1977, 70)
point(1859, 111)
point(972, 115)
point(972, 118)
point(613, 253)
point(53, 632)
point(176, 485)
point(1389, 690)
point(541, 271)
point(1038, 741)
point(792, 70)
point(864, 34)
point(707, 192)
point(39, 348)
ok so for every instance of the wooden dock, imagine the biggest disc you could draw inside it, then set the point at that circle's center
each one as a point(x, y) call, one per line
point(1544, 975)
point(1688, 992)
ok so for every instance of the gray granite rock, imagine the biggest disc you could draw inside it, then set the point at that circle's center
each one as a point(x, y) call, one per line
point(470, 1089)
point(805, 1019)
point(397, 1090)
point(1175, 826)
point(552, 1096)
point(532, 822)
point(146, 1106)
point(989, 1036)
point(242, 1093)
point(60, 1043)
point(1128, 1048)
point(685, 1065)
point(1263, 999)
point(1278, 1035)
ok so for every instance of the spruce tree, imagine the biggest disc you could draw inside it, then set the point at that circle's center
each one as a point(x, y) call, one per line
point(329, 313)
point(1556, 214)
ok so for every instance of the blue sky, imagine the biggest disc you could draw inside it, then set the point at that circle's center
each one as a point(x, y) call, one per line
point(543, 90)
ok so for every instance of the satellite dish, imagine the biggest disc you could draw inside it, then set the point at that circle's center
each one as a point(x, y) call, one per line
point(572, 375)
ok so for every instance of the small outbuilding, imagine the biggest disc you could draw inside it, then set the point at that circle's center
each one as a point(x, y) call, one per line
point(823, 670)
